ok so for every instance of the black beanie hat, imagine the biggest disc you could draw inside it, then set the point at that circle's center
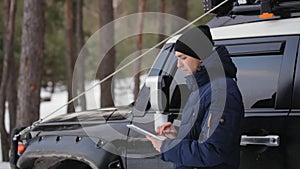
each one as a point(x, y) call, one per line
point(196, 42)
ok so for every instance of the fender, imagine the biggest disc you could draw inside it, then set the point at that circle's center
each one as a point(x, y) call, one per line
point(53, 151)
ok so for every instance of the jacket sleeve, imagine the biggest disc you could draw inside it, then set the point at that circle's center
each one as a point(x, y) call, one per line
point(213, 151)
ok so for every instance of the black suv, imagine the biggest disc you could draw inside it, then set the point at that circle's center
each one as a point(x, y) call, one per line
point(266, 53)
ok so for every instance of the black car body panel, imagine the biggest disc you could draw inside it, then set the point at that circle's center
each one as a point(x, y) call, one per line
point(47, 151)
point(95, 138)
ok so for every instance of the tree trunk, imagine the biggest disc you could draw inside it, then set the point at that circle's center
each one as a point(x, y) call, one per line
point(180, 10)
point(107, 65)
point(12, 95)
point(139, 44)
point(53, 81)
point(162, 21)
point(80, 62)
point(31, 62)
point(8, 60)
point(69, 54)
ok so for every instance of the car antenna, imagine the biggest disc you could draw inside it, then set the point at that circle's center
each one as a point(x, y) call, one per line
point(36, 123)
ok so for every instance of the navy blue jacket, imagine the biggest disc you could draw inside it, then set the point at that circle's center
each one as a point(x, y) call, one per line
point(209, 135)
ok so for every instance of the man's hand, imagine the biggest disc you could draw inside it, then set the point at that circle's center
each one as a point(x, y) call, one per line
point(167, 130)
point(156, 143)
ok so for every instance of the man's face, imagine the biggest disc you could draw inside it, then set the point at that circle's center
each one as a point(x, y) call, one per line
point(187, 63)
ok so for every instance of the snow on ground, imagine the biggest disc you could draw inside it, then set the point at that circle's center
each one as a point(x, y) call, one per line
point(4, 165)
point(58, 99)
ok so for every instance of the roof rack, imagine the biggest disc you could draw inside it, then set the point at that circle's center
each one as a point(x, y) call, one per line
point(264, 8)
point(282, 9)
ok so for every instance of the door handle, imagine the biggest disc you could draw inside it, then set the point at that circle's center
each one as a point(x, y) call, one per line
point(269, 140)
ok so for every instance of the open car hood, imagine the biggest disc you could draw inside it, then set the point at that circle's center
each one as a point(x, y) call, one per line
point(105, 114)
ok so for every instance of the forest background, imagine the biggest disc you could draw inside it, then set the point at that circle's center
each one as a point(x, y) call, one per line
point(41, 40)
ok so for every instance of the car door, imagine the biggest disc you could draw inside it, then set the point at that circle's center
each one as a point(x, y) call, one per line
point(265, 75)
point(293, 136)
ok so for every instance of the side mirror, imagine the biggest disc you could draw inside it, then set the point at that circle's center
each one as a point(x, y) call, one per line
point(159, 92)
point(159, 97)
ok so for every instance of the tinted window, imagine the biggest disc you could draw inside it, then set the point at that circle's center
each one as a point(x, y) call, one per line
point(257, 79)
point(258, 71)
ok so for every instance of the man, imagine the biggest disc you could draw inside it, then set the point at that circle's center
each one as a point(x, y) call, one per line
point(209, 134)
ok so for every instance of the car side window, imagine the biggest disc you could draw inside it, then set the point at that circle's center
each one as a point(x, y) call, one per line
point(258, 64)
point(257, 79)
